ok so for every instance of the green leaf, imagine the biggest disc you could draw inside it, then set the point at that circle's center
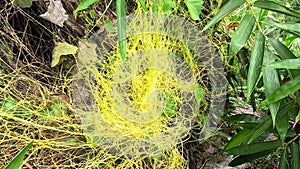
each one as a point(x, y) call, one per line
point(261, 128)
point(199, 94)
point(255, 62)
point(282, 126)
point(283, 163)
point(170, 106)
point(289, 27)
point(254, 148)
point(62, 49)
point(168, 6)
point(271, 82)
point(243, 117)
point(9, 105)
point(225, 10)
point(273, 6)
point(238, 139)
point(121, 19)
point(283, 91)
point(155, 6)
point(23, 3)
point(17, 161)
point(295, 155)
point(284, 53)
point(83, 5)
point(143, 4)
point(247, 158)
point(285, 64)
point(109, 26)
point(241, 35)
point(194, 7)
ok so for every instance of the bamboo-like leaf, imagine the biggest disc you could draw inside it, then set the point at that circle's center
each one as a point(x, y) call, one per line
point(289, 27)
point(254, 148)
point(238, 139)
point(121, 21)
point(247, 158)
point(262, 127)
point(285, 64)
point(282, 126)
point(283, 163)
point(295, 155)
point(243, 117)
point(255, 62)
point(271, 82)
point(284, 53)
point(241, 35)
point(17, 161)
point(225, 10)
point(273, 6)
point(283, 91)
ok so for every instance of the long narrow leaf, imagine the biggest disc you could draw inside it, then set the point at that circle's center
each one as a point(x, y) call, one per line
point(283, 91)
point(238, 139)
point(261, 128)
point(225, 10)
point(285, 64)
point(271, 82)
point(289, 27)
point(284, 53)
point(241, 35)
point(295, 157)
point(254, 148)
point(17, 161)
point(283, 163)
point(247, 158)
point(255, 62)
point(273, 6)
point(121, 21)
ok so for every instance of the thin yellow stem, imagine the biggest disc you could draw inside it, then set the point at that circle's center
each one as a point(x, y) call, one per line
point(253, 13)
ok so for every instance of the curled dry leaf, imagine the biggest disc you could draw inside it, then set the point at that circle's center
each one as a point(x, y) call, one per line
point(56, 13)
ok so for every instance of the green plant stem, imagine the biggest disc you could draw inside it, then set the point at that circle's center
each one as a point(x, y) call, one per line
point(292, 140)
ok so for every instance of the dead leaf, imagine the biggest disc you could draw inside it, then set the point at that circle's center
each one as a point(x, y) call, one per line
point(60, 50)
point(87, 52)
point(56, 13)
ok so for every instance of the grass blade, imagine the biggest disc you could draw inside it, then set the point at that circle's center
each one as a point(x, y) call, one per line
point(255, 62)
point(283, 91)
point(225, 10)
point(17, 161)
point(254, 148)
point(241, 35)
point(271, 82)
point(285, 64)
point(273, 6)
point(121, 21)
